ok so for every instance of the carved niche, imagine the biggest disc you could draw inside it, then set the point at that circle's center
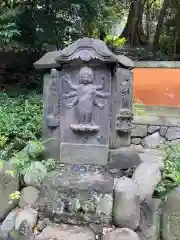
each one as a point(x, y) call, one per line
point(85, 95)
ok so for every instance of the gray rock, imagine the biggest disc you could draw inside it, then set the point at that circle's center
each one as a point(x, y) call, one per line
point(147, 176)
point(35, 174)
point(29, 214)
point(121, 234)
point(175, 142)
point(163, 131)
point(9, 183)
point(173, 133)
point(123, 158)
point(65, 232)
point(152, 141)
point(139, 131)
point(136, 141)
point(29, 195)
point(153, 156)
point(153, 129)
point(9, 223)
point(171, 216)
point(126, 209)
point(150, 219)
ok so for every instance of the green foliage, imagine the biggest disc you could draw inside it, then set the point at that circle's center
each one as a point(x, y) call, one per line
point(171, 174)
point(115, 41)
point(20, 120)
point(138, 108)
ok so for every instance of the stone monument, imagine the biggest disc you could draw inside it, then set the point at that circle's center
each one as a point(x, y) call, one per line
point(87, 112)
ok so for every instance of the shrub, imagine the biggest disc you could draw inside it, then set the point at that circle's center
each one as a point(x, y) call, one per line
point(20, 120)
point(171, 174)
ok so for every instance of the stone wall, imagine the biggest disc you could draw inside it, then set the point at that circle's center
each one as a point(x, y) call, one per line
point(152, 130)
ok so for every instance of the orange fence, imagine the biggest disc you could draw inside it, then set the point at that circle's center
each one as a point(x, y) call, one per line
point(157, 86)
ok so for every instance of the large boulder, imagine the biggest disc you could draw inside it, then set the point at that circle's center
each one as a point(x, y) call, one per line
point(150, 219)
point(153, 140)
point(171, 216)
point(147, 176)
point(29, 215)
point(29, 195)
point(9, 183)
point(121, 234)
point(35, 174)
point(126, 210)
point(65, 232)
point(123, 158)
point(9, 223)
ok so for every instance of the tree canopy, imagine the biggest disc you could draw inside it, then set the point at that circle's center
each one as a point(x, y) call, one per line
point(52, 24)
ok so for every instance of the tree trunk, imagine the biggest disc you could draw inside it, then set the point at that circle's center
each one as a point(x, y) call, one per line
point(133, 30)
point(159, 26)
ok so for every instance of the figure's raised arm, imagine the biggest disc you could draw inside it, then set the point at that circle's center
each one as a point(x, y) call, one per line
point(102, 95)
point(72, 86)
point(70, 95)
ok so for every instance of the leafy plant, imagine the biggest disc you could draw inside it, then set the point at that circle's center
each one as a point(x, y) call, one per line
point(138, 108)
point(115, 41)
point(20, 120)
point(171, 174)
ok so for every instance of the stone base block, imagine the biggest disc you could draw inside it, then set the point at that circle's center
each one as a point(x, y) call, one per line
point(77, 194)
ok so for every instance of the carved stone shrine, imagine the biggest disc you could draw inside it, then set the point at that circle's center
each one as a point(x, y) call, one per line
point(87, 114)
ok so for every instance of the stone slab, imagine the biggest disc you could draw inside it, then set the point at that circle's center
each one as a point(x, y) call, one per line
point(84, 154)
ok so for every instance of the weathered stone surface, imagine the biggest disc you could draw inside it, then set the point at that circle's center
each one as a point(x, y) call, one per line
point(175, 142)
point(171, 216)
point(29, 214)
point(139, 131)
point(29, 195)
point(64, 193)
point(163, 131)
point(9, 223)
point(60, 232)
point(152, 129)
point(126, 209)
point(121, 234)
point(35, 174)
point(153, 156)
point(150, 219)
point(152, 141)
point(123, 158)
point(136, 141)
point(173, 133)
point(147, 176)
point(9, 183)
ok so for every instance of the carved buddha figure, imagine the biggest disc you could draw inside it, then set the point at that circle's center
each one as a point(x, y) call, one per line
point(85, 96)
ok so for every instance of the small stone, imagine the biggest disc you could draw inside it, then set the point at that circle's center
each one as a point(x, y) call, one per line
point(123, 158)
point(152, 141)
point(105, 205)
point(9, 183)
point(171, 216)
point(9, 223)
point(163, 131)
point(147, 176)
point(173, 133)
point(121, 234)
point(65, 232)
point(136, 141)
point(139, 131)
point(126, 209)
point(29, 214)
point(29, 195)
point(153, 129)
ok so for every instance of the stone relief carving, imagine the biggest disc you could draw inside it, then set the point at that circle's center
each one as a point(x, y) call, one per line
point(85, 95)
point(124, 116)
point(54, 106)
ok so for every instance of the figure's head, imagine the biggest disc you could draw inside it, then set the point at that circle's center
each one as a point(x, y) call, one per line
point(86, 75)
